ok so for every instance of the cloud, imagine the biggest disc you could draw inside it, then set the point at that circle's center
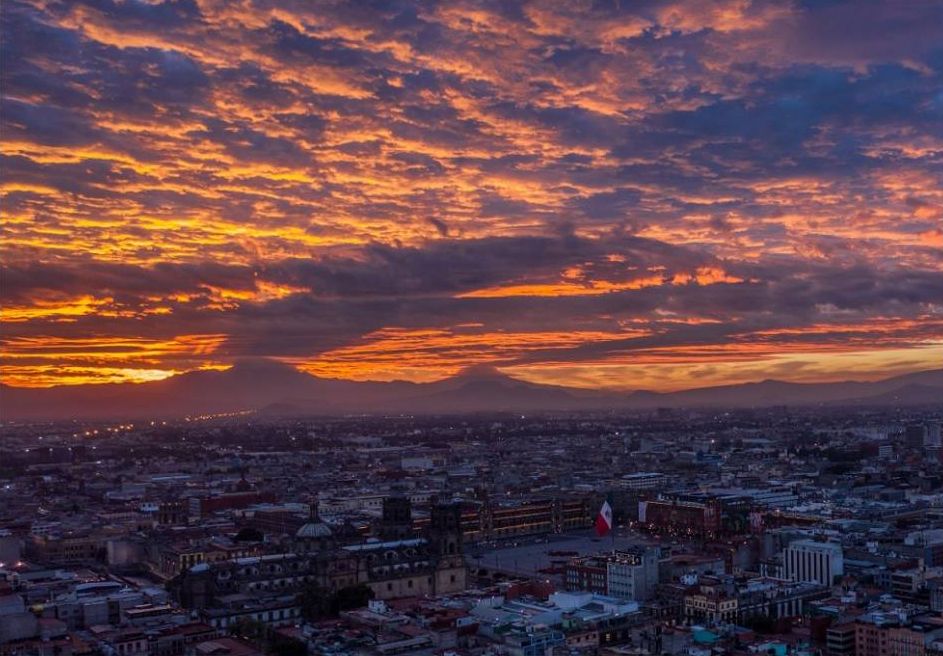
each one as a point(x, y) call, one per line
point(704, 181)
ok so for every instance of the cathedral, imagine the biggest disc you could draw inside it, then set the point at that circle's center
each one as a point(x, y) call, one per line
point(396, 562)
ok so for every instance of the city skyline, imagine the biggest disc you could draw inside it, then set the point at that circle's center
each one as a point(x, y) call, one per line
point(653, 195)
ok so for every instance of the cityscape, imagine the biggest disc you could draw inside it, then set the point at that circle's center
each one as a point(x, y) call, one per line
point(471, 328)
point(792, 530)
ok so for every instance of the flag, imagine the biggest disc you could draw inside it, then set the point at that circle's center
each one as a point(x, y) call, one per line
point(604, 519)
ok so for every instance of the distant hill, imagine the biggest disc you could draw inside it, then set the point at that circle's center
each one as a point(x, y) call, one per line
point(776, 392)
point(485, 388)
point(912, 394)
point(275, 388)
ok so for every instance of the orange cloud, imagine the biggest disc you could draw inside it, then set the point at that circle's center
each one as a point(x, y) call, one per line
point(44, 361)
point(426, 355)
point(723, 179)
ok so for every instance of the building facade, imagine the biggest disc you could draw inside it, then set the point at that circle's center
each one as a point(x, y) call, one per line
point(813, 561)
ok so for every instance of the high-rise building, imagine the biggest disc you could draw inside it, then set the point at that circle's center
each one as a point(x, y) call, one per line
point(813, 561)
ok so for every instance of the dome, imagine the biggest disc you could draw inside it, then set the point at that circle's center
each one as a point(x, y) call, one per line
point(314, 530)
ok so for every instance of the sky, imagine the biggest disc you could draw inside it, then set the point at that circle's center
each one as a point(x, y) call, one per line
point(633, 194)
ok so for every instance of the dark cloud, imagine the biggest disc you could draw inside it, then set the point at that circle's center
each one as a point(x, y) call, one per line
point(45, 124)
point(288, 41)
point(609, 204)
point(250, 145)
point(148, 15)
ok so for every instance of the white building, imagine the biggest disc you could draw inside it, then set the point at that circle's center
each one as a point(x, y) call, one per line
point(632, 575)
point(813, 561)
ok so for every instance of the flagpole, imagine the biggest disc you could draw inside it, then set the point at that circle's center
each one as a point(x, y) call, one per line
point(613, 532)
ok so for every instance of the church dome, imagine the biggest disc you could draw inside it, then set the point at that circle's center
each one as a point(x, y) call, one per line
point(314, 530)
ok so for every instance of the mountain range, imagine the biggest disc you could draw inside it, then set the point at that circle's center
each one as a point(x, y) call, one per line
point(276, 389)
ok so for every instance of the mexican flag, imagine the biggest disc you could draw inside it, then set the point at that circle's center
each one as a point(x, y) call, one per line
point(604, 519)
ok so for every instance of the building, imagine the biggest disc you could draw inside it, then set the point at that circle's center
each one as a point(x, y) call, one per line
point(483, 521)
point(933, 437)
point(915, 435)
point(840, 639)
point(397, 520)
point(557, 515)
point(642, 481)
point(582, 620)
point(72, 548)
point(696, 515)
point(429, 565)
point(774, 497)
point(173, 513)
point(280, 610)
point(281, 519)
point(935, 593)
point(629, 574)
point(928, 545)
point(533, 641)
point(722, 599)
point(711, 606)
point(894, 634)
point(813, 561)
point(168, 559)
point(203, 507)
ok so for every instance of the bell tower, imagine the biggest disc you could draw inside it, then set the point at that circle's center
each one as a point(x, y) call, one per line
point(445, 544)
point(445, 529)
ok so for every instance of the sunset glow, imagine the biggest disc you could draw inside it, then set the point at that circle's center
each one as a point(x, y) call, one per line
point(614, 195)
